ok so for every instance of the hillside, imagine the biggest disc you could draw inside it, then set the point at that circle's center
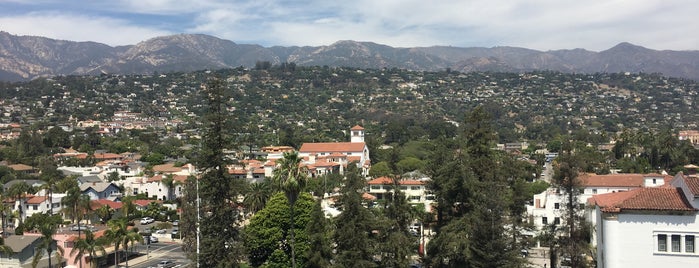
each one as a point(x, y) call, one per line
point(29, 57)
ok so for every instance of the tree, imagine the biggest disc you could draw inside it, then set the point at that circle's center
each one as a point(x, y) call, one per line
point(104, 213)
point(47, 225)
point(88, 245)
point(380, 169)
point(354, 225)
point(120, 234)
point(319, 254)
point(270, 229)
point(290, 177)
point(18, 191)
point(394, 240)
point(574, 242)
point(169, 182)
point(256, 196)
point(188, 218)
point(219, 231)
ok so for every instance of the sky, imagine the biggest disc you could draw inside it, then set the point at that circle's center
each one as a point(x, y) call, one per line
point(537, 24)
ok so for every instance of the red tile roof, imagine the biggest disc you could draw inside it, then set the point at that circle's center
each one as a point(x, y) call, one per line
point(615, 180)
point(145, 203)
point(36, 199)
point(657, 199)
point(357, 127)
point(158, 178)
point(693, 184)
point(332, 147)
point(380, 181)
point(95, 204)
point(411, 182)
point(167, 168)
point(368, 196)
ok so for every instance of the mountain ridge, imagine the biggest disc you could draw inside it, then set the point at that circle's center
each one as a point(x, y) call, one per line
point(29, 57)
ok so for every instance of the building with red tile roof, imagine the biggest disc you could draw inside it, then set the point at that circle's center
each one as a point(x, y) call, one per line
point(342, 153)
point(414, 190)
point(645, 227)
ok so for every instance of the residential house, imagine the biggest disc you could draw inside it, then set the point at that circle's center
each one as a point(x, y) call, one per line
point(40, 204)
point(414, 190)
point(647, 227)
point(23, 249)
point(341, 153)
point(101, 190)
point(547, 207)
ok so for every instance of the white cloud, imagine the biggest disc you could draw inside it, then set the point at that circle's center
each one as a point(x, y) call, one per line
point(78, 28)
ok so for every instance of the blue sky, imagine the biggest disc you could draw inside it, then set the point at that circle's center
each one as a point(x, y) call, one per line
point(538, 24)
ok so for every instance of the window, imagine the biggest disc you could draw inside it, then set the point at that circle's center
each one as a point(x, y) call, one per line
point(594, 191)
point(414, 198)
point(556, 221)
point(376, 187)
point(675, 239)
point(414, 188)
point(557, 205)
point(689, 243)
point(662, 242)
point(403, 188)
point(544, 220)
point(35, 207)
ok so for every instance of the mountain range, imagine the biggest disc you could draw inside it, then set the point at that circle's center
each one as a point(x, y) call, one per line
point(29, 57)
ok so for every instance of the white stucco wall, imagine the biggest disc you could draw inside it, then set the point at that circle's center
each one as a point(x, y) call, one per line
point(630, 241)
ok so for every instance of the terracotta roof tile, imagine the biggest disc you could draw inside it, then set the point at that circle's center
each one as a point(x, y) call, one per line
point(95, 204)
point(36, 199)
point(411, 182)
point(380, 181)
point(332, 147)
point(659, 199)
point(616, 180)
point(693, 184)
point(357, 127)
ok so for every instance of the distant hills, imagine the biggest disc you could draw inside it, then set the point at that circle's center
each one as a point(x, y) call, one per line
point(29, 57)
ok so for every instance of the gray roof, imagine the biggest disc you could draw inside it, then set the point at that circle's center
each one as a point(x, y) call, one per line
point(88, 179)
point(20, 242)
point(97, 186)
point(29, 182)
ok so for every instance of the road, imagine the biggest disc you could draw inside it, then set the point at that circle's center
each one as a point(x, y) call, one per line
point(158, 252)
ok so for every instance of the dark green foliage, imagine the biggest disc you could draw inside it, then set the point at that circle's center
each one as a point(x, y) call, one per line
point(319, 254)
point(270, 230)
point(219, 237)
point(354, 225)
point(394, 242)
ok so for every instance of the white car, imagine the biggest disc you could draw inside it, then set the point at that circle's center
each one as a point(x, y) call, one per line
point(153, 239)
point(147, 220)
point(161, 231)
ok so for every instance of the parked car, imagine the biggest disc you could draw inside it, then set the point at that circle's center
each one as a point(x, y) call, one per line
point(147, 220)
point(161, 231)
point(176, 223)
point(153, 239)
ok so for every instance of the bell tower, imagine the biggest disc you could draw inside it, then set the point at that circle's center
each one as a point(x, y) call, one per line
point(356, 134)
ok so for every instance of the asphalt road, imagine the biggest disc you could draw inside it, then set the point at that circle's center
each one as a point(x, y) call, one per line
point(158, 252)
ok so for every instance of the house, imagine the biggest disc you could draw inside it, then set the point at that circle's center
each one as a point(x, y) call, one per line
point(646, 227)
point(414, 190)
point(40, 204)
point(100, 190)
point(341, 153)
point(547, 207)
point(22, 251)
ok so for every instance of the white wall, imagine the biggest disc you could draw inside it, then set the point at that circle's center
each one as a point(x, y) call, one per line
point(630, 241)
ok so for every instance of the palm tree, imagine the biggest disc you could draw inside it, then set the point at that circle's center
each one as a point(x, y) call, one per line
point(77, 204)
point(47, 225)
point(18, 191)
point(88, 245)
point(128, 207)
point(4, 210)
point(290, 177)
point(257, 196)
point(119, 234)
point(132, 236)
point(104, 213)
point(5, 249)
point(169, 181)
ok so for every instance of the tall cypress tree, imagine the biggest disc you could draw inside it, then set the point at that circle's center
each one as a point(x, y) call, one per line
point(319, 239)
point(354, 225)
point(219, 224)
point(394, 240)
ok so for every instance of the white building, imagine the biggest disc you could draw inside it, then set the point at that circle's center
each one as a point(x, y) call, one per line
point(414, 190)
point(548, 206)
point(648, 227)
point(341, 153)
